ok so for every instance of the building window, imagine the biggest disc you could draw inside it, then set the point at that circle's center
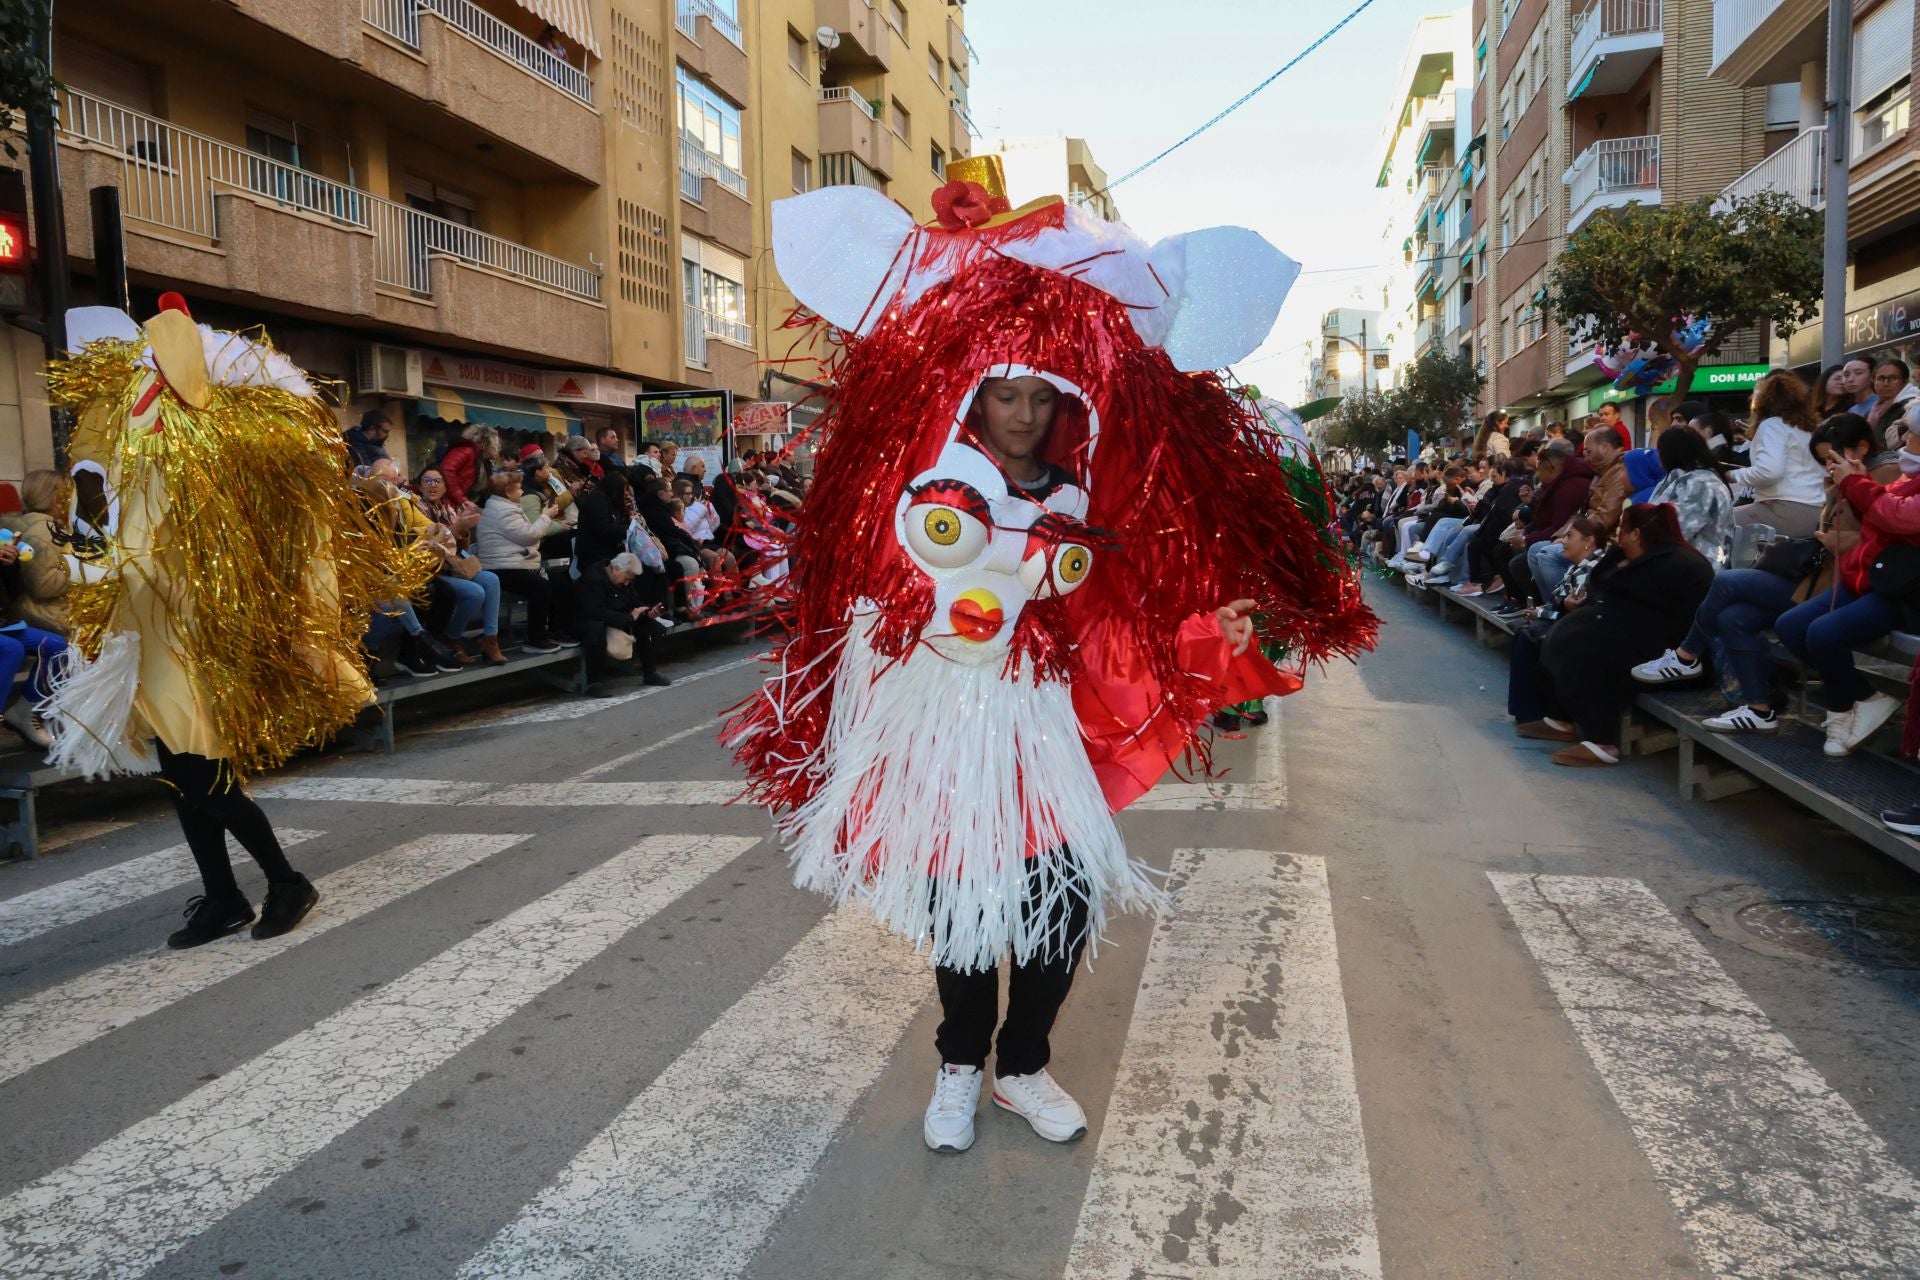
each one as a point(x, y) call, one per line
point(897, 16)
point(802, 173)
point(796, 51)
point(902, 122)
point(713, 284)
point(939, 158)
point(935, 63)
point(710, 124)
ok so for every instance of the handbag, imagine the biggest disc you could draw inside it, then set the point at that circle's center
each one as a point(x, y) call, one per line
point(1895, 573)
point(619, 644)
point(465, 565)
point(1795, 559)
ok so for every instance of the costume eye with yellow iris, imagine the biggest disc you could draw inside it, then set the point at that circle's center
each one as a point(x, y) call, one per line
point(946, 524)
point(942, 526)
point(1071, 565)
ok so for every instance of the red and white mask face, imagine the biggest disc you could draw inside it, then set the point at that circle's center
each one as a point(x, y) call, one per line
point(989, 554)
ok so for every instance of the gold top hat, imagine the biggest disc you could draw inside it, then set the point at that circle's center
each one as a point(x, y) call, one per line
point(984, 170)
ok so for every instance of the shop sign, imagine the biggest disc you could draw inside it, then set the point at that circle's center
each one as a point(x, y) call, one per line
point(1889, 322)
point(766, 418)
point(1707, 379)
point(588, 388)
point(480, 375)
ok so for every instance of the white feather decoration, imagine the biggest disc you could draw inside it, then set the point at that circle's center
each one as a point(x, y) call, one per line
point(938, 778)
point(90, 710)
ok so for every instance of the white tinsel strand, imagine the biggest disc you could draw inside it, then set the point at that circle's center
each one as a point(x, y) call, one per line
point(90, 708)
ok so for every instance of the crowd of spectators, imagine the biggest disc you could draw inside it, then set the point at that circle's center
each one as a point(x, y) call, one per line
point(1624, 567)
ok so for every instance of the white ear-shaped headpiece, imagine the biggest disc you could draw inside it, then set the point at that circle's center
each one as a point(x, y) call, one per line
point(1227, 285)
point(841, 250)
point(91, 324)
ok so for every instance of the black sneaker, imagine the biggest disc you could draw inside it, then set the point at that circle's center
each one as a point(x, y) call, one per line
point(443, 658)
point(540, 647)
point(414, 658)
point(1905, 819)
point(1255, 717)
point(598, 690)
point(655, 679)
point(286, 906)
point(209, 921)
point(1226, 721)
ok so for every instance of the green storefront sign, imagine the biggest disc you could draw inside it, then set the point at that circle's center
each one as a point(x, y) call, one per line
point(1707, 380)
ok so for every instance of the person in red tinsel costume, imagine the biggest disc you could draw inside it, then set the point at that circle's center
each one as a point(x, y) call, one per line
point(1039, 535)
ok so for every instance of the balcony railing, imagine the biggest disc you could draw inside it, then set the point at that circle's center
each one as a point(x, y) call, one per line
point(401, 20)
point(1610, 18)
point(698, 164)
point(170, 177)
point(1611, 171)
point(844, 169)
point(1799, 169)
point(702, 324)
point(844, 93)
point(687, 17)
point(960, 109)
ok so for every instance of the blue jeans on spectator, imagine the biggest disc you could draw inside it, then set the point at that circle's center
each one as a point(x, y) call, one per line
point(479, 594)
point(1450, 546)
point(1826, 630)
point(1549, 564)
point(1741, 604)
point(15, 644)
point(388, 617)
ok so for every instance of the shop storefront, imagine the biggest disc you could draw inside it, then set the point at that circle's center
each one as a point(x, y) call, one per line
point(1888, 326)
point(462, 391)
point(1723, 386)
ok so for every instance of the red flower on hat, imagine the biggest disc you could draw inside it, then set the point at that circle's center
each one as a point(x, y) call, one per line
point(960, 205)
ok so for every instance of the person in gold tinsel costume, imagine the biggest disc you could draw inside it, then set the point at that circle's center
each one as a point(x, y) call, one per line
point(218, 631)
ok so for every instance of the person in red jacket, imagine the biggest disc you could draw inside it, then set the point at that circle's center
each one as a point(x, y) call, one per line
point(1825, 631)
point(1562, 480)
point(468, 463)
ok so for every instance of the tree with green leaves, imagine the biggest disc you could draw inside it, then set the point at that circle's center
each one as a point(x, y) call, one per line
point(1440, 395)
point(1367, 422)
point(26, 83)
point(1638, 272)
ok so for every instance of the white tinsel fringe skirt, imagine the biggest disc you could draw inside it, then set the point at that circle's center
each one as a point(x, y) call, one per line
point(958, 807)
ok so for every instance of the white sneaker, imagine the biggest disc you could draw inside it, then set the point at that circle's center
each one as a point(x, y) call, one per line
point(1042, 1103)
point(1869, 715)
point(1666, 668)
point(1440, 569)
point(1839, 726)
point(19, 717)
point(956, 1096)
point(1742, 720)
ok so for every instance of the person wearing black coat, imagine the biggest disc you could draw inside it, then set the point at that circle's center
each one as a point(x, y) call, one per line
point(606, 601)
point(1641, 600)
point(602, 532)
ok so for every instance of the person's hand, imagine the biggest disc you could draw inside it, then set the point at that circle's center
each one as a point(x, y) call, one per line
point(1574, 601)
point(636, 614)
point(9, 552)
point(551, 510)
point(1829, 538)
point(1842, 466)
point(1236, 625)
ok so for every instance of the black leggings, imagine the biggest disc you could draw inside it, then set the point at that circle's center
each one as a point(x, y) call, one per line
point(970, 1002)
point(532, 586)
point(211, 802)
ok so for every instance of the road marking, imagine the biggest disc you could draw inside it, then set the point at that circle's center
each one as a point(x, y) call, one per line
point(691, 1176)
point(549, 713)
point(72, 833)
point(61, 1018)
point(1232, 1145)
point(360, 790)
point(1771, 1172)
point(620, 762)
point(40, 910)
point(1266, 790)
point(135, 1199)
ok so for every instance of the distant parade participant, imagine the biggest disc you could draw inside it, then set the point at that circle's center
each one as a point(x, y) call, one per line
point(210, 648)
point(1023, 578)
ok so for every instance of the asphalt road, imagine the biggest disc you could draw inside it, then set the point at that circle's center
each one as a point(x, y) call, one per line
point(1426, 1006)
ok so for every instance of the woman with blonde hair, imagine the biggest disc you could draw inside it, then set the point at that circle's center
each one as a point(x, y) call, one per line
point(1788, 483)
point(44, 572)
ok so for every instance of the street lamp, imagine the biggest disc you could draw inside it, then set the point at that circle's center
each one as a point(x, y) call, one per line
point(1357, 357)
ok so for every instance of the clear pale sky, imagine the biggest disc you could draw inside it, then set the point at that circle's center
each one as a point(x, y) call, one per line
point(1296, 164)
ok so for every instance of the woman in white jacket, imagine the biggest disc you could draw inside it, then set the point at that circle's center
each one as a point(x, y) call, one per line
point(1784, 475)
point(508, 543)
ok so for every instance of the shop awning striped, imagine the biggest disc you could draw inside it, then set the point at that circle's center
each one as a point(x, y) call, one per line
point(477, 408)
point(573, 17)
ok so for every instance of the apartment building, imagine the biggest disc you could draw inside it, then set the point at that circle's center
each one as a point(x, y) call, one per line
point(1580, 108)
point(1053, 166)
point(1351, 356)
point(1427, 286)
point(1781, 45)
point(515, 212)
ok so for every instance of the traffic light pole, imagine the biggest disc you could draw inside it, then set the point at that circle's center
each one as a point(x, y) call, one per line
point(50, 228)
point(1833, 282)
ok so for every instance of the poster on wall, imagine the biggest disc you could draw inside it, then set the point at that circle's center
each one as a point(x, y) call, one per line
point(697, 421)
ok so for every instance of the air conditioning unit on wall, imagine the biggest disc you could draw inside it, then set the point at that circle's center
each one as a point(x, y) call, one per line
point(389, 371)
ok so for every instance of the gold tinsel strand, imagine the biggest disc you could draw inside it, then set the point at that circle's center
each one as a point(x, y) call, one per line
point(258, 496)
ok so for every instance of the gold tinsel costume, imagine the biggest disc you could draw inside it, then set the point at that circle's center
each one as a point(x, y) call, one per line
point(241, 566)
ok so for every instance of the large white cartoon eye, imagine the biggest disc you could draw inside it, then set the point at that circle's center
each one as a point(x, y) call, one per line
point(946, 525)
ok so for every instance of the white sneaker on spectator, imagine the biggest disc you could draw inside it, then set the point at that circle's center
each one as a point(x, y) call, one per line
point(1869, 715)
point(1743, 720)
point(1440, 569)
point(20, 718)
point(1839, 725)
point(948, 1125)
point(1419, 554)
point(1042, 1103)
point(1666, 669)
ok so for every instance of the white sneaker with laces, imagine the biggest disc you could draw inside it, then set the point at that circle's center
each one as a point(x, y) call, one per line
point(1742, 720)
point(1042, 1103)
point(1440, 569)
point(20, 718)
point(1869, 715)
point(1666, 668)
point(1839, 726)
point(948, 1125)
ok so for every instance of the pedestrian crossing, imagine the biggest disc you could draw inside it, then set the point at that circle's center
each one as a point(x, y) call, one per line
point(1229, 1135)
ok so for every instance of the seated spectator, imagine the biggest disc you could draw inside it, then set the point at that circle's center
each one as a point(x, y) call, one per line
point(468, 464)
point(578, 464)
point(17, 641)
point(1716, 428)
point(1562, 483)
point(1878, 582)
point(606, 510)
point(1893, 392)
point(686, 566)
point(1786, 481)
point(508, 545)
point(367, 443)
point(1692, 485)
point(1585, 542)
point(462, 589)
point(378, 486)
point(47, 570)
point(608, 603)
point(1639, 602)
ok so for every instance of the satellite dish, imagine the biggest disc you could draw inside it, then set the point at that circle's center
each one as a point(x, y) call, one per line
point(827, 38)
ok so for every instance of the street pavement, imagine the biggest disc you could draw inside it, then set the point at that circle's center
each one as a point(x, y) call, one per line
point(1424, 1006)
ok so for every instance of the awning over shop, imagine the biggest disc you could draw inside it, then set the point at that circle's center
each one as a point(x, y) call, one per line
point(573, 17)
point(477, 408)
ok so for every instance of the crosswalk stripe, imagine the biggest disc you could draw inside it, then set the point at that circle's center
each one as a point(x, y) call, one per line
point(61, 1018)
point(1266, 789)
point(41, 910)
point(1232, 1145)
point(1772, 1173)
point(621, 762)
point(363, 790)
point(136, 1198)
point(691, 1176)
point(577, 709)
